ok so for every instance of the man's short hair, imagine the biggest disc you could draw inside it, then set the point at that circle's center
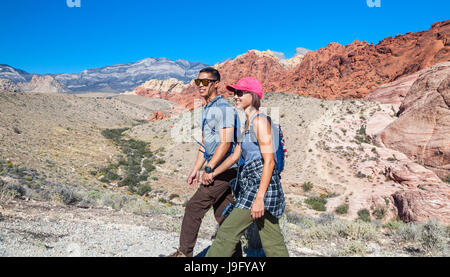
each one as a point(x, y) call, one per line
point(214, 72)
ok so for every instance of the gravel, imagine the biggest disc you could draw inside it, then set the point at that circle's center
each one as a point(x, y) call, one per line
point(86, 237)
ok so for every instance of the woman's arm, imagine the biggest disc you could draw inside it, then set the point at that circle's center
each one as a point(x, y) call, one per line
point(263, 132)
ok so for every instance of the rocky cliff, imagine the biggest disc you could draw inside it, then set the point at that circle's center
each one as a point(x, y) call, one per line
point(43, 84)
point(422, 130)
point(8, 85)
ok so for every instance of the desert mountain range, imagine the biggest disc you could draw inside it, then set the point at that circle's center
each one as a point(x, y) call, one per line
point(114, 78)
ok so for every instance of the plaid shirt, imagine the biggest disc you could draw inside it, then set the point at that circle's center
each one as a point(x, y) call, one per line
point(245, 188)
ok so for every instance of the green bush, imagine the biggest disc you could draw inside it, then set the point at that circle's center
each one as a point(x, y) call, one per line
point(394, 225)
point(148, 165)
point(317, 203)
point(114, 134)
point(143, 189)
point(342, 209)
point(307, 186)
point(379, 212)
point(160, 161)
point(129, 180)
point(352, 230)
point(364, 215)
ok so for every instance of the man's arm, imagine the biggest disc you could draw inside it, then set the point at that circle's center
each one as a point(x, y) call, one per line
point(195, 173)
point(226, 137)
point(200, 158)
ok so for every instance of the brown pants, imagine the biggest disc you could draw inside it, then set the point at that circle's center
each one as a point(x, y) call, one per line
point(217, 195)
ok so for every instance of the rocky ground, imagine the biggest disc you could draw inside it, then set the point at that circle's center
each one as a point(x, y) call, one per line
point(65, 191)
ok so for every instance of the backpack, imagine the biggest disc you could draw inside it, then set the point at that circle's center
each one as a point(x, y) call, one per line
point(281, 152)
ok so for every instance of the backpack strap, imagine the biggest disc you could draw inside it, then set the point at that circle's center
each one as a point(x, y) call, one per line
point(250, 128)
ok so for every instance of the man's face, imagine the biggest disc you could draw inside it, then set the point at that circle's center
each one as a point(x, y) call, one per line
point(206, 90)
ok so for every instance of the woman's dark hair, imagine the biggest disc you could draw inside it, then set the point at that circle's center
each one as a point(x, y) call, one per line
point(256, 101)
point(214, 72)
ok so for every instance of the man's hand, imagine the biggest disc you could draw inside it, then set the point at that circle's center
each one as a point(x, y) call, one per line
point(193, 177)
point(258, 208)
point(207, 178)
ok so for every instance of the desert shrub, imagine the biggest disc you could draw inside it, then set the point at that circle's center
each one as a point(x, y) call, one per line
point(113, 134)
point(325, 218)
point(432, 236)
point(62, 194)
point(129, 180)
point(317, 203)
point(148, 165)
point(379, 212)
point(302, 221)
point(394, 225)
point(354, 248)
point(92, 195)
point(409, 232)
point(13, 190)
point(342, 209)
point(160, 161)
point(115, 201)
point(307, 186)
point(360, 175)
point(143, 189)
point(293, 218)
point(353, 230)
point(364, 215)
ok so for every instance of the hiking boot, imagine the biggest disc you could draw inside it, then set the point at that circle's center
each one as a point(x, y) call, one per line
point(177, 254)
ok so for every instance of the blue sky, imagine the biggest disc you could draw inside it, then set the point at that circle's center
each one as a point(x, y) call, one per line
point(46, 36)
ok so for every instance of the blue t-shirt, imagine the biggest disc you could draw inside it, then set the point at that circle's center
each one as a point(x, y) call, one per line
point(216, 115)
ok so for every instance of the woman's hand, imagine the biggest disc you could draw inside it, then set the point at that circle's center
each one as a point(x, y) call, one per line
point(258, 208)
point(207, 178)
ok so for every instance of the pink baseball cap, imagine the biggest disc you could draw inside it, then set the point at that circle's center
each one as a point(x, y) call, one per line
point(248, 84)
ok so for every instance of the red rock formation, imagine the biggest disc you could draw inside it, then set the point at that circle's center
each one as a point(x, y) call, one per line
point(335, 71)
point(351, 71)
point(421, 205)
point(422, 130)
point(157, 116)
point(394, 92)
point(261, 65)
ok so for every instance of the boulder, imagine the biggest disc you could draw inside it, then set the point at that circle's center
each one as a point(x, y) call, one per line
point(423, 127)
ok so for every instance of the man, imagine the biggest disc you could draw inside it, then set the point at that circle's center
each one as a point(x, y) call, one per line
point(220, 128)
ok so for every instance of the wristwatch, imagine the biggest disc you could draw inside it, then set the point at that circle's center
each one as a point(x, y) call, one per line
point(208, 169)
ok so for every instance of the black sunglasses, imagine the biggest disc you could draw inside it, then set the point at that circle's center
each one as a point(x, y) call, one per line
point(239, 93)
point(205, 82)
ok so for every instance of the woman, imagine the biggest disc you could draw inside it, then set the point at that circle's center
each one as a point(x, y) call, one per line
point(260, 198)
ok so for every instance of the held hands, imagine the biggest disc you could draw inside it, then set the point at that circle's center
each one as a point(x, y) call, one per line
point(258, 208)
point(207, 178)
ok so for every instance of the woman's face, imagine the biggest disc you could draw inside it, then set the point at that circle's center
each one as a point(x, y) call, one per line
point(243, 101)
